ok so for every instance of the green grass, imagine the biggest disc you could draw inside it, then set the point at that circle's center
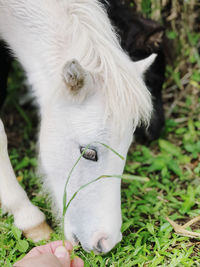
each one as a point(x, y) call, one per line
point(172, 165)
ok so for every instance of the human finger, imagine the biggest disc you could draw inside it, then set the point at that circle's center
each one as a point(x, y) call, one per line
point(77, 262)
point(48, 248)
point(63, 256)
point(42, 260)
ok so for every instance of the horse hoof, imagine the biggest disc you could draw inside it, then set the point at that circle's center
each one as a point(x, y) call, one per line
point(40, 232)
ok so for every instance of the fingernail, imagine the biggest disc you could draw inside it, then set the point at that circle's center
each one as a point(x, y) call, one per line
point(61, 252)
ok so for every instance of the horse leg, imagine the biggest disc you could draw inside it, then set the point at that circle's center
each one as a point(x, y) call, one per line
point(14, 200)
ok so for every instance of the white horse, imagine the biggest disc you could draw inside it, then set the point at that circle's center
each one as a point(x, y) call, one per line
point(87, 90)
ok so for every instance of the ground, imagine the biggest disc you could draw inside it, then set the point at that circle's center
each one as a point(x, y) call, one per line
point(171, 164)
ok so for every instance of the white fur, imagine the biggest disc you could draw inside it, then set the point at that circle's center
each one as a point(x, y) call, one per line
point(45, 35)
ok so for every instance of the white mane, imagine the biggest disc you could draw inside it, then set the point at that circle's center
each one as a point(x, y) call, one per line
point(99, 51)
point(59, 30)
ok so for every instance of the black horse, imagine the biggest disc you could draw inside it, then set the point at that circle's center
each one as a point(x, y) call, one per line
point(140, 37)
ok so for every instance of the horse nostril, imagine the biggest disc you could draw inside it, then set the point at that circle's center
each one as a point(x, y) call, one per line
point(75, 239)
point(101, 245)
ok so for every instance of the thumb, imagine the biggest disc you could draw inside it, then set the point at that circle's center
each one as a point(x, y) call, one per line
point(63, 256)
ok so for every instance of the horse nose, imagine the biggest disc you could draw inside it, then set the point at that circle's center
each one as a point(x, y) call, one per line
point(102, 243)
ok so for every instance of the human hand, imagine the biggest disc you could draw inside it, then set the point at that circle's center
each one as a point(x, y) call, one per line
point(50, 255)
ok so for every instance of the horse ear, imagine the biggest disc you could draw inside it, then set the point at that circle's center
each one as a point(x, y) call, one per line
point(75, 76)
point(155, 40)
point(78, 81)
point(143, 65)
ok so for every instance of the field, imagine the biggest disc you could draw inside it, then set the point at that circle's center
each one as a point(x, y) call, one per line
point(171, 164)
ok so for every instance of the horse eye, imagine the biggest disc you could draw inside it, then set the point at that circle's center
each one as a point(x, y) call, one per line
point(90, 154)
